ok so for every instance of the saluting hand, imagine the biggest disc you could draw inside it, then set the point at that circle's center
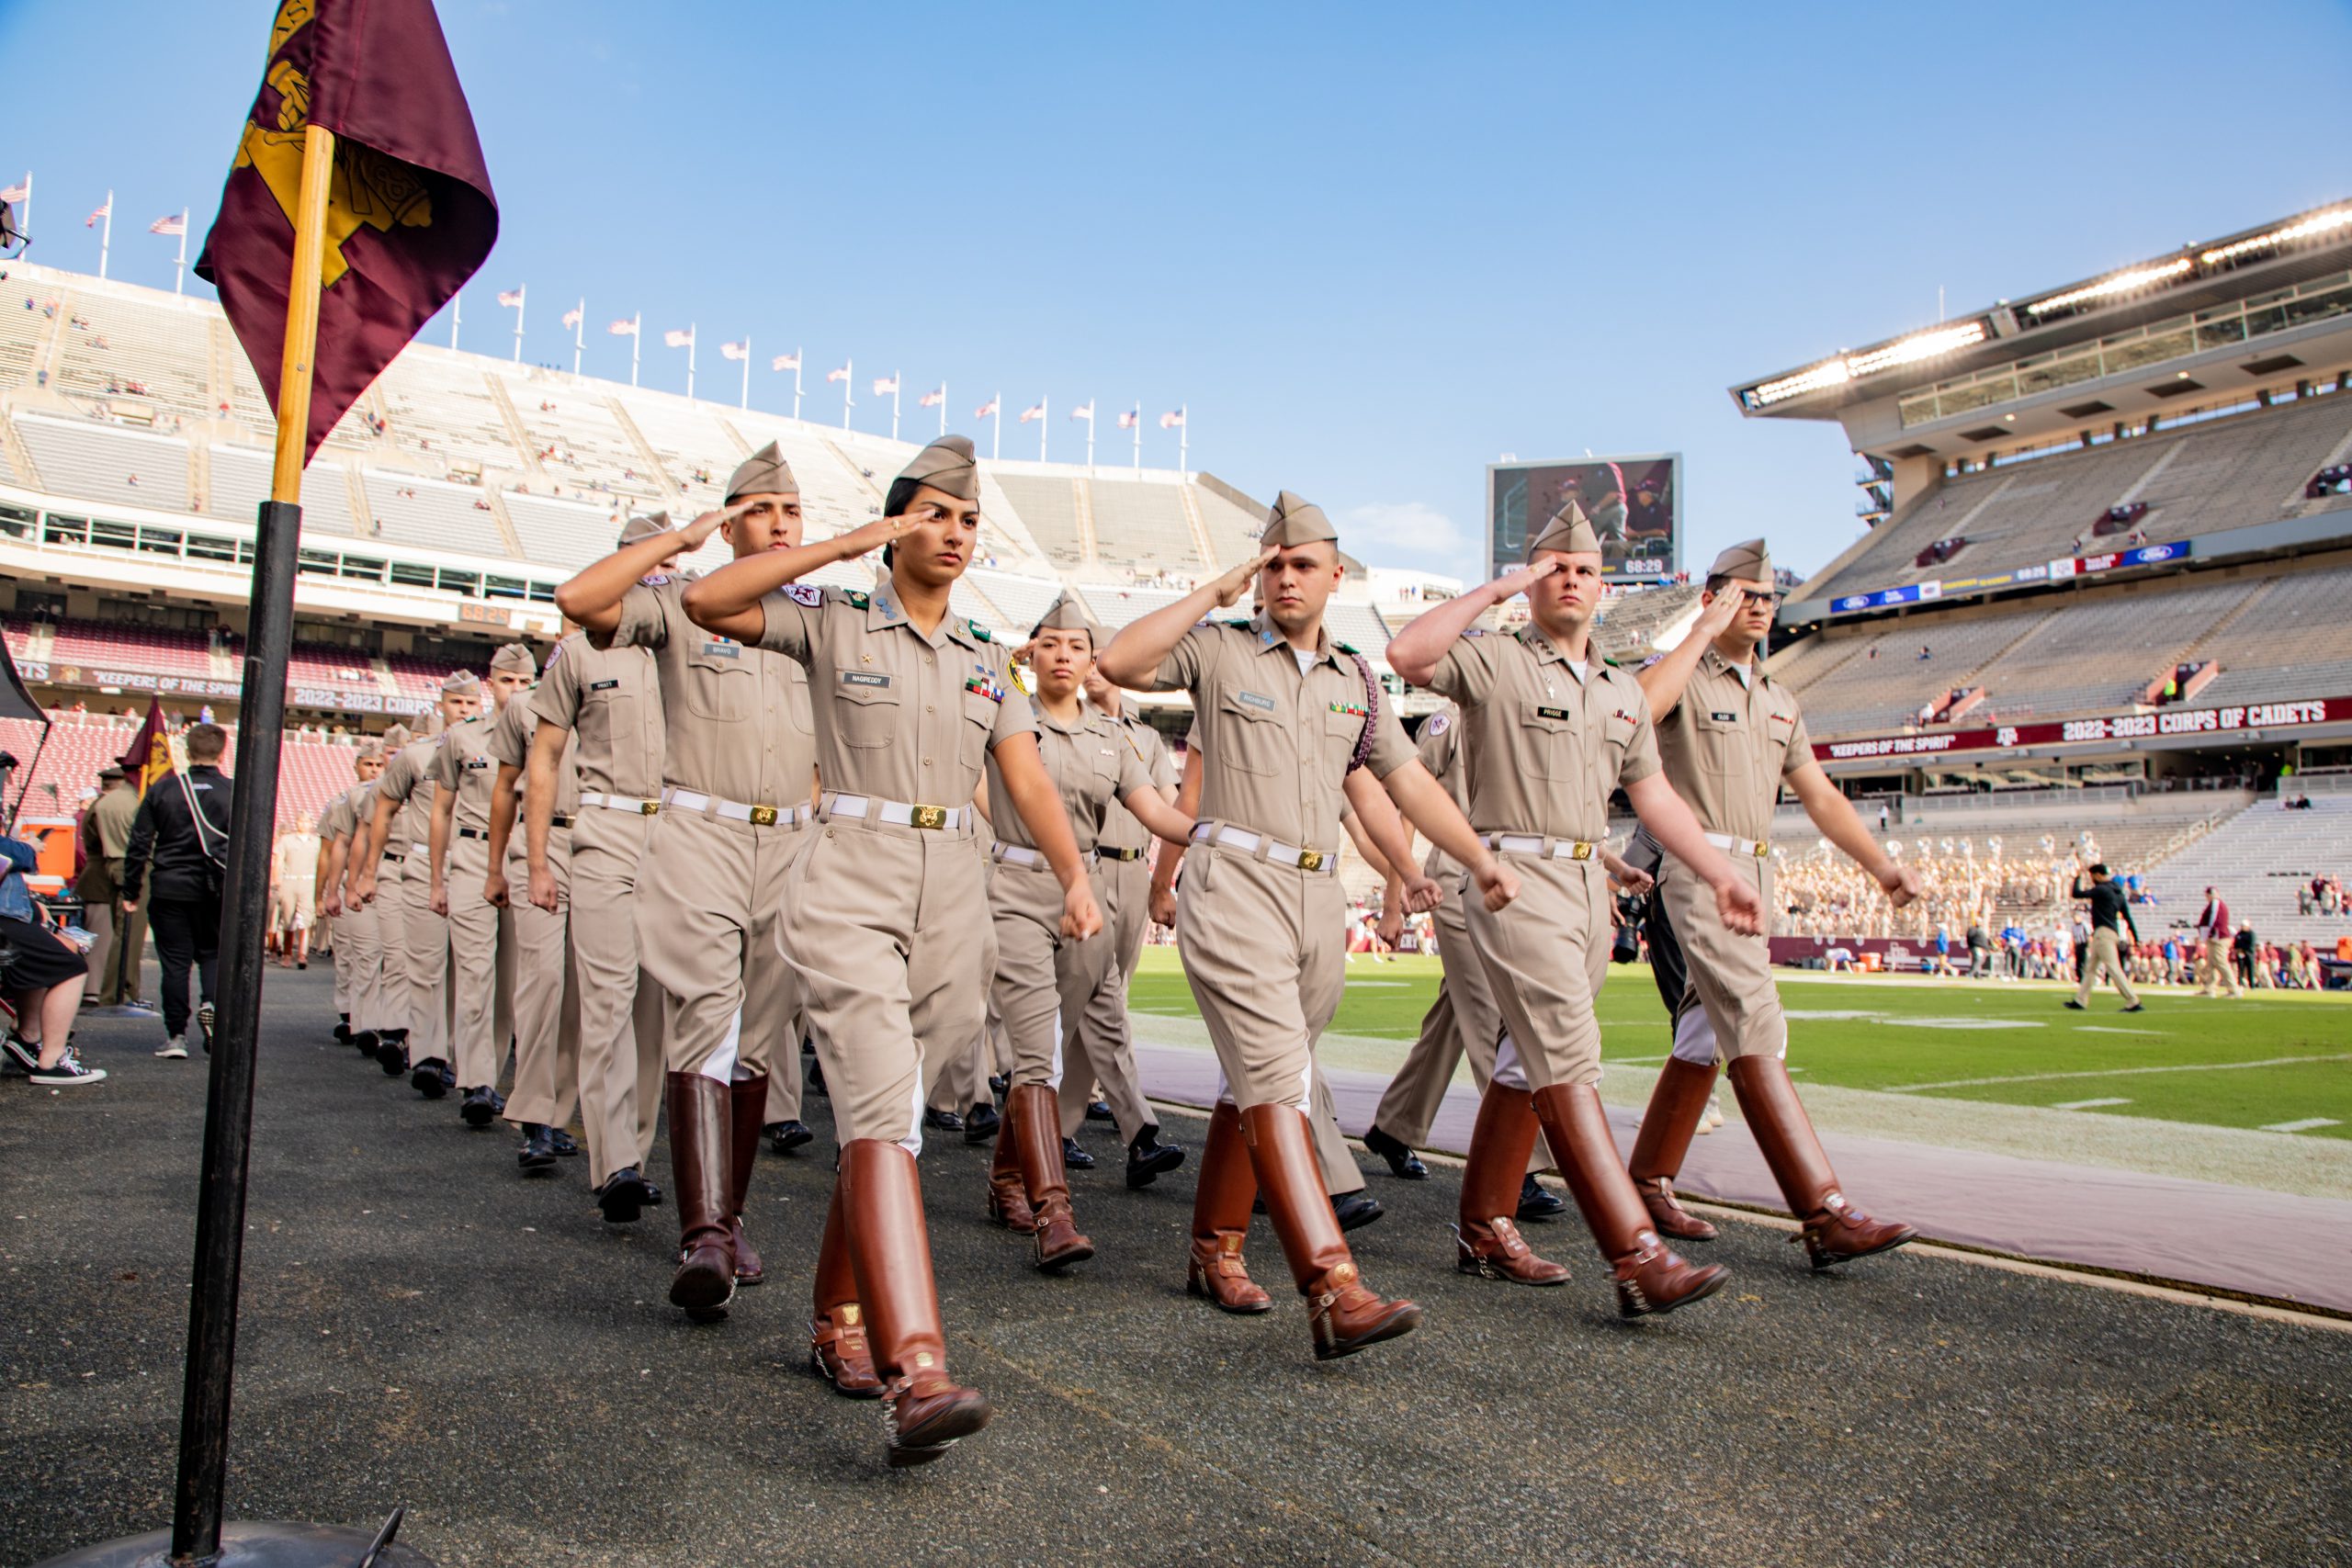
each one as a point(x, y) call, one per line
point(1716, 617)
point(1080, 917)
point(692, 535)
point(888, 530)
point(1499, 881)
point(1234, 583)
point(1741, 910)
point(1525, 577)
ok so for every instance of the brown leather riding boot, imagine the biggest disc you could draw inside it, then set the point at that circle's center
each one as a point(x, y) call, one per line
point(1221, 1202)
point(1342, 1314)
point(699, 1168)
point(1649, 1278)
point(1035, 1111)
point(1668, 1127)
point(747, 1104)
point(1007, 1195)
point(1834, 1230)
point(837, 1348)
point(889, 1248)
point(1488, 1242)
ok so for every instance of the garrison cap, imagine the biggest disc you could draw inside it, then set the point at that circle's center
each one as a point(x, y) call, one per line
point(514, 658)
point(1068, 616)
point(112, 771)
point(644, 526)
point(1292, 522)
point(397, 737)
point(369, 752)
point(460, 683)
point(948, 465)
point(1569, 530)
point(764, 472)
point(1747, 561)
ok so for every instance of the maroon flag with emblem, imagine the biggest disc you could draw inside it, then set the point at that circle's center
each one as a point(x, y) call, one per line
point(150, 756)
point(410, 212)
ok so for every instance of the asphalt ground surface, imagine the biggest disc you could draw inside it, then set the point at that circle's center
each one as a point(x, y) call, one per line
point(424, 1326)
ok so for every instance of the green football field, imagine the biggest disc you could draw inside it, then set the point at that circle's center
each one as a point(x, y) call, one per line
point(2266, 1061)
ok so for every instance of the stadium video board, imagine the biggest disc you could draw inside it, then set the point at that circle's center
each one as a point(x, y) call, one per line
point(1635, 504)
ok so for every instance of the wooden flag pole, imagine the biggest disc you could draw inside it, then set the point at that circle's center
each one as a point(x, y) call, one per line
point(302, 316)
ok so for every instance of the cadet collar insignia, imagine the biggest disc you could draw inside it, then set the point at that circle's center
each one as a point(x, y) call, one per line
point(807, 596)
point(1353, 710)
point(1241, 625)
point(1610, 662)
point(1265, 632)
point(1343, 648)
point(859, 601)
point(979, 632)
point(1438, 725)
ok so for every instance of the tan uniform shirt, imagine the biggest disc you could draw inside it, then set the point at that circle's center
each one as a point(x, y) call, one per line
point(340, 817)
point(1726, 746)
point(1119, 829)
point(464, 764)
point(611, 699)
point(1093, 768)
point(737, 721)
point(115, 810)
point(510, 743)
point(1545, 746)
point(407, 782)
point(295, 858)
point(1440, 745)
point(898, 716)
point(1276, 741)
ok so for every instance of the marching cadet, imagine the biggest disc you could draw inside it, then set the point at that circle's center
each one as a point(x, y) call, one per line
point(464, 775)
point(358, 948)
point(547, 1001)
point(1551, 728)
point(738, 768)
point(1044, 983)
point(1100, 1048)
point(885, 918)
point(1729, 736)
point(1291, 724)
point(610, 700)
point(416, 939)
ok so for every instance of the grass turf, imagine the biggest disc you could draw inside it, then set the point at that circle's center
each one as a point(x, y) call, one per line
point(2267, 1058)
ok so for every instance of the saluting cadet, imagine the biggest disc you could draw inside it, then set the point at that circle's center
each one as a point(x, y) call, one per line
point(1043, 982)
point(885, 919)
point(465, 774)
point(1551, 728)
point(1291, 724)
point(547, 1001)
point(1729, 736)
point(610, 699)
point(738, 788)
point(404, 823)
point(1100, 1047)
point(357, 949)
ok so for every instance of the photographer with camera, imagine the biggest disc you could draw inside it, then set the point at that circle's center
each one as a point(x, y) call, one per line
point(182, 833)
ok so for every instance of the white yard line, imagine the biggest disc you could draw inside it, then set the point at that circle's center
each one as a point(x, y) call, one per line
point(2086, 1104)
point(2118, 1073)
point(2305, 1125)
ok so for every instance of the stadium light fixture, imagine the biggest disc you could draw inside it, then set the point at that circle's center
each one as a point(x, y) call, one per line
point(1847, 368)
point(2321, 223)
point(2121, 283)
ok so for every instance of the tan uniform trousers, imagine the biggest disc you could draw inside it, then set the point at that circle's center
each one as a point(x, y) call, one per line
point(2104, 959)
point(423, 964)
point(621, 1007)
point(359, 968)
point(125, 950)
point(1101, 1049)
point(378, 999)
point(342, 967)
point(707, 900)
point(1731, 1008)
point(880, 925)
point(546, 997)
point(1042, 983)
point(509, 975)
point(474, 962)
point(1546, 954)
point(2213, 965)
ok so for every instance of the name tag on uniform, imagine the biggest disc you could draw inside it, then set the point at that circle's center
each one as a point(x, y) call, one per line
point(861, 677)
point(1724, 717)
point(722, 648)
point(1256, 701)
point(601, 686)
point(472, 764)
point(1552, 713)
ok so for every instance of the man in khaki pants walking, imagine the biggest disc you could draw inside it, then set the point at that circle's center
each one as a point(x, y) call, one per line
point(2109, 910)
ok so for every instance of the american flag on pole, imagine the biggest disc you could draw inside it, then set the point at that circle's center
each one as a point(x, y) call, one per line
point(1085, 410)
point(884, 385)
point(735, 350)
point(1034, 410)
point(1171, 419)
point(572, 317)
point(785, 362)
point(174, 224)
point(986, 410)
point(840, 375)
point(92, 221)
point(623, 329)
point(1130, 418)
point(511, 298)
point(931, 399)
point(679, 337)
point(16, 193)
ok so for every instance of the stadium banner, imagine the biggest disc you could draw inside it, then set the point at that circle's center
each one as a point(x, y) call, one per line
point(2136, 726)
point(1634, 502)
point(2054, 571)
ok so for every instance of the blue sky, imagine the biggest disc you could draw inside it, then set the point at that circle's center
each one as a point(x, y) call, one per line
point(1372, 247)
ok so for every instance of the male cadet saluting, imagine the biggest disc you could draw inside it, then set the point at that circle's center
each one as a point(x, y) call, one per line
point(739, 776)
point(404, 824)
point(1729, 736)
point(465, 775)
point(358, 948)
point(1551, 728)
point(610, 698)
point(1291, 723)
point(885, 919)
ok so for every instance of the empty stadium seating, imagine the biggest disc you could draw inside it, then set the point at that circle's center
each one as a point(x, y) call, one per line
point(2256, 859)
point(101, 462)
point(312, 770)
point(241, 483)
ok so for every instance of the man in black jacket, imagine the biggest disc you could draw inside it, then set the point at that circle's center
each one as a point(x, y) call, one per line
point(182, 834)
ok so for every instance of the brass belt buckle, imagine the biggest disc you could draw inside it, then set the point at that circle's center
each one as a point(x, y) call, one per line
point(1581, 851)
point(1755, 848)
point(1310, 859)
point(648, 808)
point(933, 817)
point(763, 817)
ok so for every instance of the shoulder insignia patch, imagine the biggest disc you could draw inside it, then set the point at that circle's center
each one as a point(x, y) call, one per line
point(859, 601)
point(553, 654)
point(1653, 659)
point(1474, 631)
point(806, 595)
point(1438, 725)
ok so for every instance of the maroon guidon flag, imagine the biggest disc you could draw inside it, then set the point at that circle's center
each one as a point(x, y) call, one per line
point(410, 212)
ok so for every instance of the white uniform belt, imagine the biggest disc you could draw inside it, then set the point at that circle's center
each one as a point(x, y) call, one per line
point(898, 813)
point(1265, 847)
point(1022, 855)
point(619, 802)
point(419, 849)
point(678, 799)
point(1542, 848)
point(1755, 848)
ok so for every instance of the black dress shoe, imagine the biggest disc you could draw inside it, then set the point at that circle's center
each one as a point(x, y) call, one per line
point(2076, 1006)
point(367, 1043)
point(942, 1121)
point(537, 1152)
point(1074, 1158)
point(785, 1137)
point(392, 1054)
point(981, 1125)
point(1537, 1202)
point(1356, 1209)
point(1403, 1163)
point(652, 1192)
point(1149, 1160)
point(998, 1085)
point(481, 1108)
point(625, 1195)
point(815, 1079)
point(342, 1030)
point(426, 1079)
point(562, 1142)
point(1100, 1110)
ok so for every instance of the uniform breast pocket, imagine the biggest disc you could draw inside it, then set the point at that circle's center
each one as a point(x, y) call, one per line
point(1547, 741)
point(867, 717)
point(1341, 731)
point(1721, 743)
point(979, 723)
point(1251, 739)
point(719, 689)
point(606, 719)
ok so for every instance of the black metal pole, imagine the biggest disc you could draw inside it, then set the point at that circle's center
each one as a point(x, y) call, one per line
point(229, 1101)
